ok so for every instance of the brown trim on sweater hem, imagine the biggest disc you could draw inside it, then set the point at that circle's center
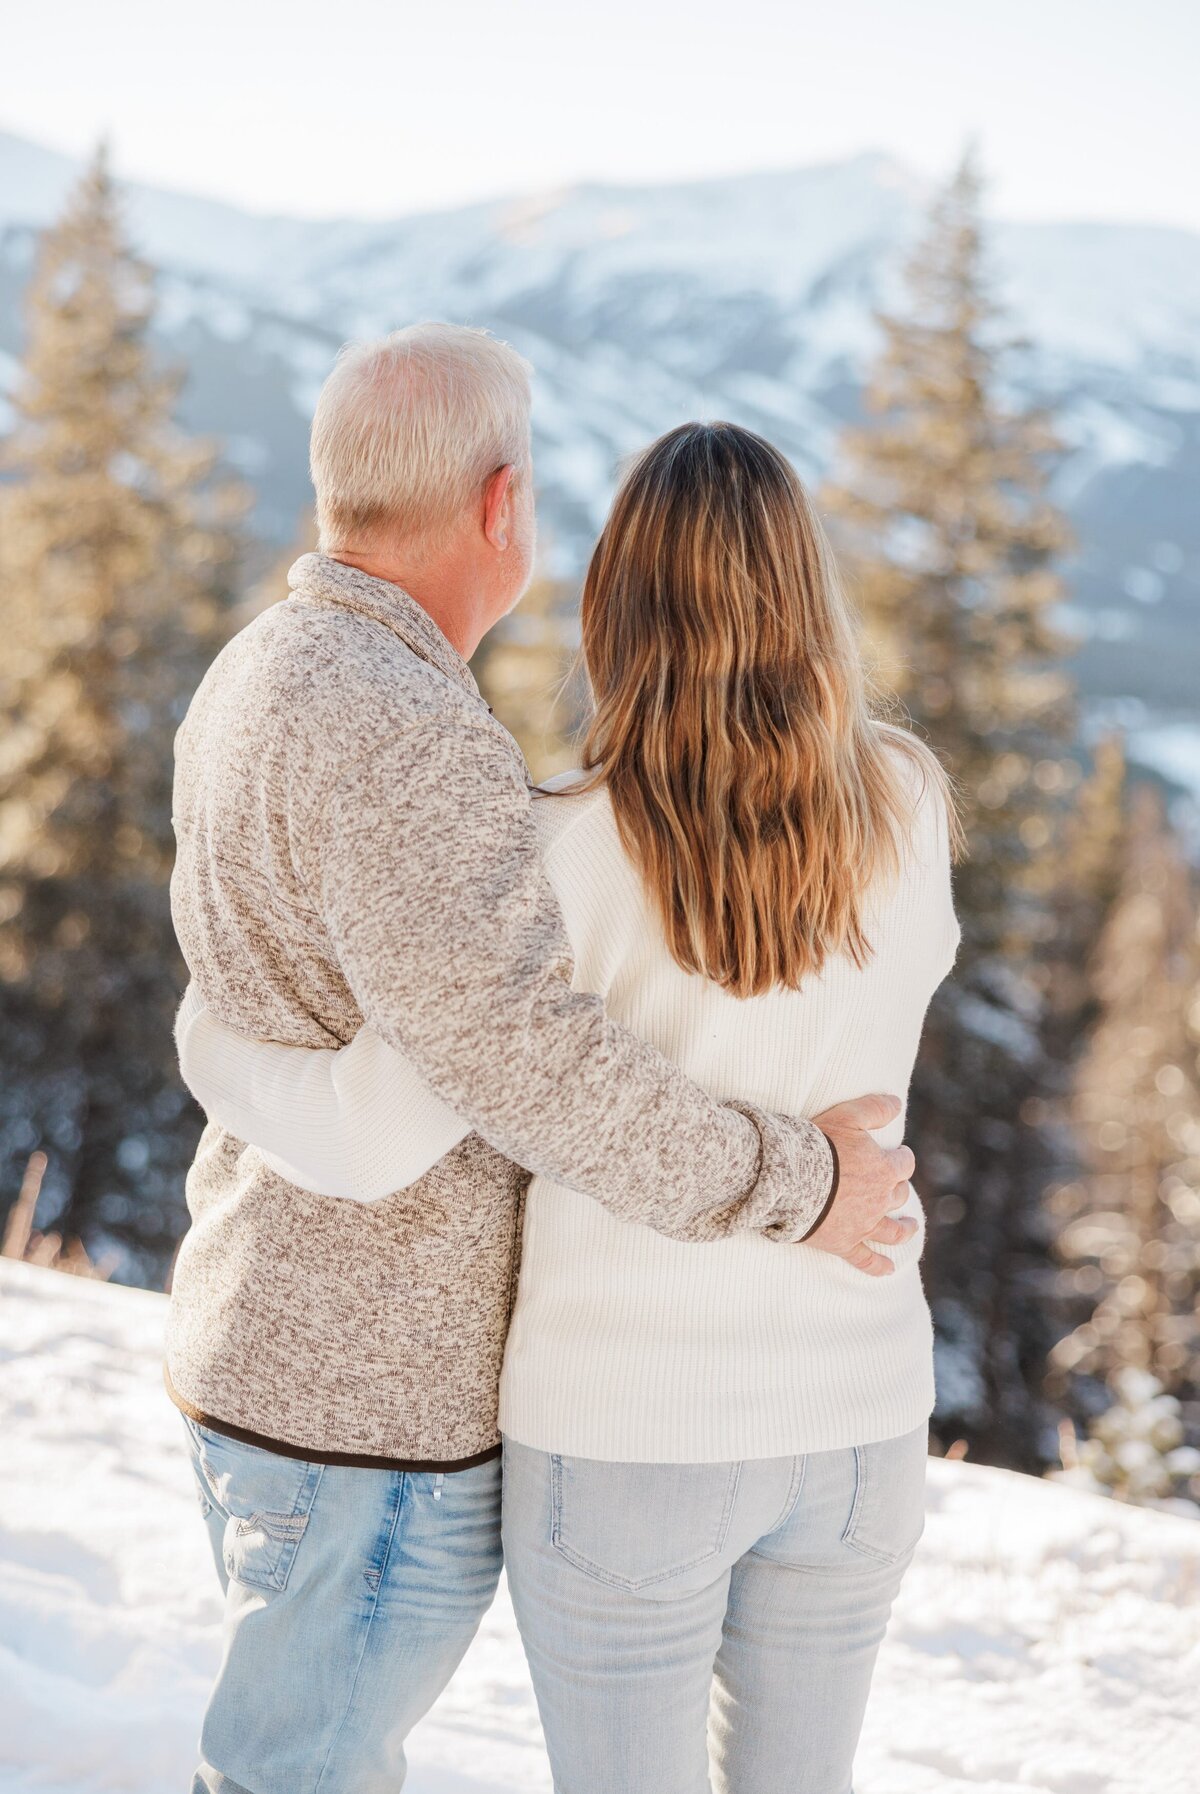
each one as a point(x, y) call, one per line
point(342, 1460)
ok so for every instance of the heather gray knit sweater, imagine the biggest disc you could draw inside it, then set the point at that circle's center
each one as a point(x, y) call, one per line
point(355, 841)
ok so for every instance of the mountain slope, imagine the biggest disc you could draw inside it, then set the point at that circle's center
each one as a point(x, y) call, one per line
point(750, 297)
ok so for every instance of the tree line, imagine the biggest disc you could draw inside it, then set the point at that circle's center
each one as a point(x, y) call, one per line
point(1056, 1105)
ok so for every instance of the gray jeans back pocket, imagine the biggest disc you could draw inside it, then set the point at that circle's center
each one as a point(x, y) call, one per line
point(638, 1526)
point(888, 1515)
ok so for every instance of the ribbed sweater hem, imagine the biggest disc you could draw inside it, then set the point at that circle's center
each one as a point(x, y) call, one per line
point(720, 1441)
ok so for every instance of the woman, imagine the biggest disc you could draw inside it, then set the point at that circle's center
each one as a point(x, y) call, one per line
point(714, 1455)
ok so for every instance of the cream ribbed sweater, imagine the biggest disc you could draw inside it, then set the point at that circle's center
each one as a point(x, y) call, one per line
point(624, 1344)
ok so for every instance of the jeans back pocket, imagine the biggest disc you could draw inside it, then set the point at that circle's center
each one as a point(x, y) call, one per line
point(640, 1525)
point(888, 1514)
point(267, 1500)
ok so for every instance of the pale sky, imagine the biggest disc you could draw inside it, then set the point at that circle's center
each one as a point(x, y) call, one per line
point(1083, 108)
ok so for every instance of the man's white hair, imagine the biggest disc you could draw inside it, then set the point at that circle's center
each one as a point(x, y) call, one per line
point(408, 429)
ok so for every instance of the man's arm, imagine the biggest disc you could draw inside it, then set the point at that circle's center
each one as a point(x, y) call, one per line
point(427, 873)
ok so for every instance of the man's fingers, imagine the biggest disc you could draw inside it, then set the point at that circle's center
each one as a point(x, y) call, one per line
point(873, 1263)
point(899, 1196)
point(867, 1112)
point(893, 1233)
point(902, 1161)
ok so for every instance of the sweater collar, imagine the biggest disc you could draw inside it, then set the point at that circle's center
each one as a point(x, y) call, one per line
point(320, 577)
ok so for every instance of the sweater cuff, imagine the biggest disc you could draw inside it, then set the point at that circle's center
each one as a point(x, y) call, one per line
point(833, 1188)
point(797, 1176)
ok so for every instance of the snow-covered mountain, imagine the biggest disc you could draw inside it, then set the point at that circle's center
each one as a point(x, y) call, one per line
point(750, 297)
point(1045, 1640)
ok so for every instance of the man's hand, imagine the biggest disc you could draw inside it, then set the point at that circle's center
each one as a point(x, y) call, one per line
point(873, 1181)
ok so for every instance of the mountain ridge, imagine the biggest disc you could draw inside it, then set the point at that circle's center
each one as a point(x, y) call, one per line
point(749, 296)
point(14, 144)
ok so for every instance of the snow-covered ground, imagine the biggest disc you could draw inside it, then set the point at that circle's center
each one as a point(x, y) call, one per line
point(1045, 1639)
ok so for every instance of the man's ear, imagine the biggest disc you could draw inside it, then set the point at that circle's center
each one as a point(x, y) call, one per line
point(497, 507)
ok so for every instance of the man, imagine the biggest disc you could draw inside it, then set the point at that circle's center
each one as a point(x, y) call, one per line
point(355, 844)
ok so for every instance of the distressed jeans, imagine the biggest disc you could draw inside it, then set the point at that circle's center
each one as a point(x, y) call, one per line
point(350, 1599)
point(708, 1626)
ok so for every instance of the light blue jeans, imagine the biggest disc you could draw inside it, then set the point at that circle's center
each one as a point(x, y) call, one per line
point(350, 1599)
point(708, 1626)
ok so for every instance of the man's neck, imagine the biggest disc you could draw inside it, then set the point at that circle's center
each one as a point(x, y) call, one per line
point(445, 593)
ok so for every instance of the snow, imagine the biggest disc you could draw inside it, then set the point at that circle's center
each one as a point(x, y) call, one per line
point(1172, 749)
point(1045, 1639)
point(1118, 297)
point(1144, 584)
point(1103, 293)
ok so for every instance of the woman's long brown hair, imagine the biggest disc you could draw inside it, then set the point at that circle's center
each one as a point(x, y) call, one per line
point(753, 787)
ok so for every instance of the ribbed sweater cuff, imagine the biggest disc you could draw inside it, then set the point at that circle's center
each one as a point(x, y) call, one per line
point(797, 1176)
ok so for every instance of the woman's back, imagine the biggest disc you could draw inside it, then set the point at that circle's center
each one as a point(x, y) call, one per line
point(629, 1345)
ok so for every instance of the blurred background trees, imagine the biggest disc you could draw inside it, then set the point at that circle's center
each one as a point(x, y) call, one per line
point(524, 671)
point(952, 551)
point(1056, 1107)
point(118, 566)
point(1128, 1224)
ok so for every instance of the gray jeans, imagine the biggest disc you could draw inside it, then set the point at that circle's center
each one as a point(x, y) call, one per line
point(708, 1626)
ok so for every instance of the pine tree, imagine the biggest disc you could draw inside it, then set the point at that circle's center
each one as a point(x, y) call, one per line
point(1135, 1449)
point(1078, 880)
point(943, 520)
point(118, 545)
point(522, 668)
point(1129, 1226)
